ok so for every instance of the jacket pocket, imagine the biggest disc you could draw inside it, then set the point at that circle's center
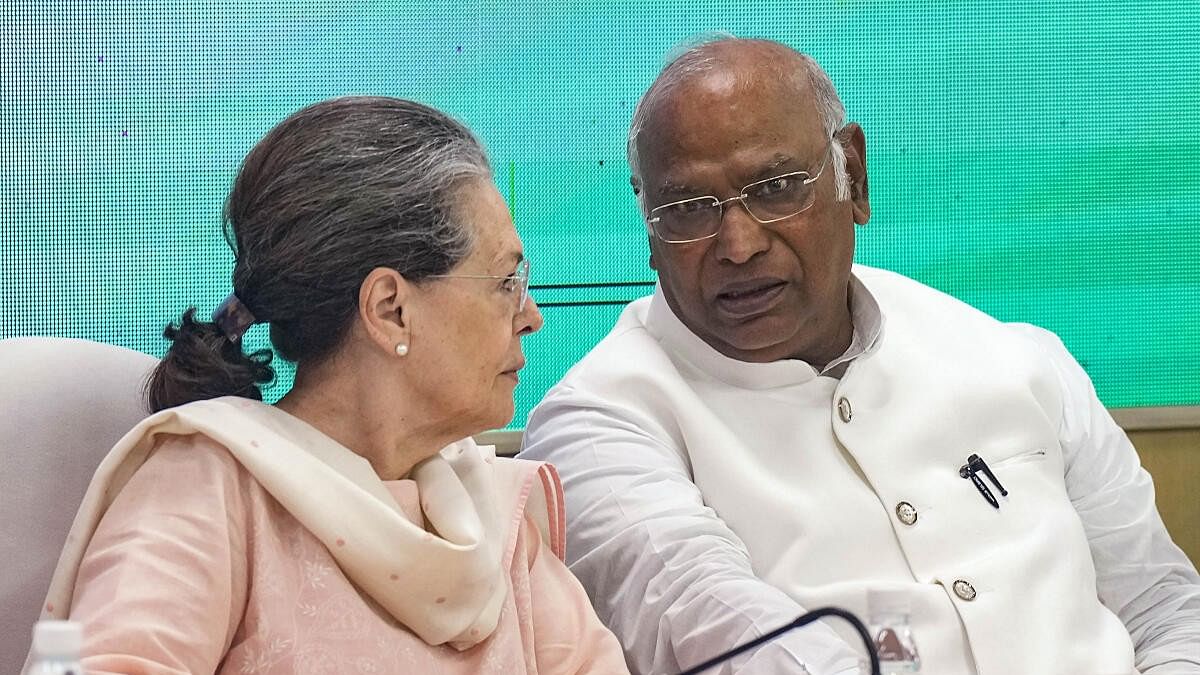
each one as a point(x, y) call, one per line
point(1018, 458)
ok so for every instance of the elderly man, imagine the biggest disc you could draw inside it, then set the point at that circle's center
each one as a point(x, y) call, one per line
point(776, 429)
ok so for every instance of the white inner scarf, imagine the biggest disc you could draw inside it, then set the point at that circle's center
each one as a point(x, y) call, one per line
point(338, 497)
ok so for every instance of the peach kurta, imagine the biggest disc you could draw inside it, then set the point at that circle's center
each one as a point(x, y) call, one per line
point(196, 567)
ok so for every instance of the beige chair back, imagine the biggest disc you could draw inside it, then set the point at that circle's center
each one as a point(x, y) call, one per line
point(63, 404)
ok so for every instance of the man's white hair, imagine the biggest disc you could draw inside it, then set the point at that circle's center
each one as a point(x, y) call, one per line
point(696, 57)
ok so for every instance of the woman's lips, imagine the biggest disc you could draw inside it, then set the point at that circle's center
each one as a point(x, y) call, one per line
point(512, 372)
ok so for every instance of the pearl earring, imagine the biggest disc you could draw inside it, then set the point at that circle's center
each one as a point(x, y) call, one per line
point(401, 349)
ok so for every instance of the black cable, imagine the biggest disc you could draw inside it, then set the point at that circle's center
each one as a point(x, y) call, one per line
point(798, 622)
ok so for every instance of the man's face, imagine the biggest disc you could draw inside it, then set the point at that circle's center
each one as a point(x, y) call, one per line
point(754, 292)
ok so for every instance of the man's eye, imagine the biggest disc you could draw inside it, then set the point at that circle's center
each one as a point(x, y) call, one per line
point(689, 208)
point(776, 186)
point(509, 283)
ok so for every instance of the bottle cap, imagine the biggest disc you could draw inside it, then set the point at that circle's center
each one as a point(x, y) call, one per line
point(888, 601)
point(57, 638)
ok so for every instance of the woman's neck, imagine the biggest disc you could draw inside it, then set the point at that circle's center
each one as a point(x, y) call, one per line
point(385, 430)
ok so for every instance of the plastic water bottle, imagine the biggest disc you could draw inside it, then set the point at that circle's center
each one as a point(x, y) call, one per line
point(56, 646)
point(888, 625)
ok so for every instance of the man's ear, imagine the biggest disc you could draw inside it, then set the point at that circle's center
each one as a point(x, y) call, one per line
point(636, 184)
point(854, 142)
point(384, 298)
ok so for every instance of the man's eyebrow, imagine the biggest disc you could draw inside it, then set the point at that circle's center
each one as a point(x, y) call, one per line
point(672, 188)
point(775, 165)
point(772, 167)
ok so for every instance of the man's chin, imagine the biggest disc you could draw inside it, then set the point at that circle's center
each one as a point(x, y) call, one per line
point(758, 343)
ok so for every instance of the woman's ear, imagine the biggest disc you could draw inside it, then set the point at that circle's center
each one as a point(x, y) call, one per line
point(383, 298)
point(854, 142)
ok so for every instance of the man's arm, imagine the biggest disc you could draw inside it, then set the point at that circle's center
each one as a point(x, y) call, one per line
point(1141, 575)
point(663, 571)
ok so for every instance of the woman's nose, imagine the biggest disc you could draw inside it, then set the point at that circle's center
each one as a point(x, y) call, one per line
point(529, 319)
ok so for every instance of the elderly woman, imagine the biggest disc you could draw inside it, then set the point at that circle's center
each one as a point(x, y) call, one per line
point(353, 526)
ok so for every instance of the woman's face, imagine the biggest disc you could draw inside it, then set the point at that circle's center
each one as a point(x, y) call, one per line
point(466, 329)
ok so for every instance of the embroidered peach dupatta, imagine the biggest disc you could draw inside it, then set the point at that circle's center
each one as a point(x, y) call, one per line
point(455, 581)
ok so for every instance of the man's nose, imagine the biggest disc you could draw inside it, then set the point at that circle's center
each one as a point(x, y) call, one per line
point(741, 236)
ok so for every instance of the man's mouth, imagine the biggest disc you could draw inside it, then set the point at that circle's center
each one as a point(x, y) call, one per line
point(748, 298)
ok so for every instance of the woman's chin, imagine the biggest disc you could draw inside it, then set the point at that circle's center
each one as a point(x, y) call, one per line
point(499, 415)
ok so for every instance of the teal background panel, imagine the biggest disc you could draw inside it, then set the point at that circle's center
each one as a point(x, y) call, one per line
point(1034, 159)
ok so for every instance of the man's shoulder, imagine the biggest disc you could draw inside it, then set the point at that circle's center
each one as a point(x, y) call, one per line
point(907, 301)
point(902, 297)
point(887, 284)
point(628, 347)
point(629, 375)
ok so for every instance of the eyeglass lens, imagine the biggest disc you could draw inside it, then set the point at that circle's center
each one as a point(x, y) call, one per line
point(766, 200)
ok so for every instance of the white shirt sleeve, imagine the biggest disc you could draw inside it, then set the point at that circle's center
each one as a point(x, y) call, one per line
point(663, 571)
point(1141, 574)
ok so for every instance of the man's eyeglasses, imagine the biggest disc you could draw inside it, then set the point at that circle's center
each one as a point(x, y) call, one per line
point(767, 201)
point(517, 282)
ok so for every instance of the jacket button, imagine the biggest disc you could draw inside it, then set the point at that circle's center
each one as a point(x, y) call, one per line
point(906, 513)
point(964, 590)
point(844, 411)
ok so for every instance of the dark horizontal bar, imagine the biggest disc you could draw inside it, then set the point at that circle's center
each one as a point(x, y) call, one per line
point(604, 284)
point(583, 303)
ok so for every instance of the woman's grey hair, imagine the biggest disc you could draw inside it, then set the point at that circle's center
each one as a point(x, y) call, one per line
point(335, 190)
point(699, 56)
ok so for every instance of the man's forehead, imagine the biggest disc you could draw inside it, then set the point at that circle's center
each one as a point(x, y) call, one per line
point(708, 98)
point(733, 64)
point(768, 128)
point(742, 103)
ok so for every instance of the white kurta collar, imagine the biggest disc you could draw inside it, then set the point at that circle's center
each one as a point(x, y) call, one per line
point(681, 343)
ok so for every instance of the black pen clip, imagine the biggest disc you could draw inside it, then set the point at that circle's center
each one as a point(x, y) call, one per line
point(971, 469)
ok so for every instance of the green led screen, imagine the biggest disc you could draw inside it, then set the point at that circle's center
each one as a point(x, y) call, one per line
point(1038, 160)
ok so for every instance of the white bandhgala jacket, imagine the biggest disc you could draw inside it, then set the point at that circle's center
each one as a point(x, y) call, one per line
point(710, 500)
